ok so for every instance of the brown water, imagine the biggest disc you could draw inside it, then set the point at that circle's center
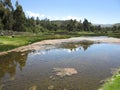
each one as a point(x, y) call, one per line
point(34, 70)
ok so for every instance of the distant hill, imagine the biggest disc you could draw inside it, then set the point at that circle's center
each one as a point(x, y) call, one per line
point(108, 25)
point(60, 22)
point(117, 24)
point(105, 25)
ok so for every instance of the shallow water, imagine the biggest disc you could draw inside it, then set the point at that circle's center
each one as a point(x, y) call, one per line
point(35, 70)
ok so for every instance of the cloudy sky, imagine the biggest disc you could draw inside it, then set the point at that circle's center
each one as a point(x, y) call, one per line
point(96, 11)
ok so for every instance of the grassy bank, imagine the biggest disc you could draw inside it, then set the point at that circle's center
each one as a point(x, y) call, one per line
point(113, 83)
point(9, 42)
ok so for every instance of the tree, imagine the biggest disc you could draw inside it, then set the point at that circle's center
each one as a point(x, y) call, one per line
point(2, 12)
point(71, 25)
point(31, 24)
point(118, 27)
point(114, 28)
point(99, 27)
point(17, 4)
point(20, 19)
point(8, 4)
point(37, 21)
point(6, 14)
point(8, 20)
point(92, 28)
point(1, 24)
point(80, 26)
point(85, 25)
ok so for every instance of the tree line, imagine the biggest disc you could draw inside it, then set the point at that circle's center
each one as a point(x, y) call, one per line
point(14, 19)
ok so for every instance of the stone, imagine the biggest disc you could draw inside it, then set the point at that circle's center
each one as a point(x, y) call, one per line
point(33, 87)
point(50, 87)
point(1, 86)
point(65, 71)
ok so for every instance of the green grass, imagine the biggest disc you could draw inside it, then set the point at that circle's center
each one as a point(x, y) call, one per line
point(113, 83)
point(8, 43)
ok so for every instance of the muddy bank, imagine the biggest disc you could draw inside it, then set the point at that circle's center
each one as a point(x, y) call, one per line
point(47, 44)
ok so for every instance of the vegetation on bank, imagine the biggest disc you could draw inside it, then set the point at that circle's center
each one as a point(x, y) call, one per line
point(11, 42)
point(113, 83)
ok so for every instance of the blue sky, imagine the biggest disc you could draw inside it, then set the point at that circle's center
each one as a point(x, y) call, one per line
point(96, 11)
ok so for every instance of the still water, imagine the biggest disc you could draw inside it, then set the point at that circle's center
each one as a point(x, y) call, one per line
point(35, 70)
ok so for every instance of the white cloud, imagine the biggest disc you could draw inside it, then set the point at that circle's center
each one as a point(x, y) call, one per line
point(70, 17)
point(42, 16)
point(35, 15)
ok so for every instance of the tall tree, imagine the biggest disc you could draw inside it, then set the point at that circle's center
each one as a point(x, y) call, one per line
point(86, 25)
point(16, 4)
point(8, 4)
point(1, 24)
point(8, 20)
point(99, 27)
point(6, 14)
point(71, 25)
point(114, 28)
point(79, 26)
point(2, 11)
point(20, 19)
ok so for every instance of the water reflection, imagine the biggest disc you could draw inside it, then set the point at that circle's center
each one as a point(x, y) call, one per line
point(38, 70)
point(66, 46)
point(9, 62)
point(74, 46)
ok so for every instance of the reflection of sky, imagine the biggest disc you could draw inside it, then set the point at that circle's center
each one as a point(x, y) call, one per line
point(37, 53)
point(95, 51)
point(43, 52)
point(72, 50)
point(104, 47)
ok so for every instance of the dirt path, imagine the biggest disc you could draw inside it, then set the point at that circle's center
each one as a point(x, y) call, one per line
point(43, 44)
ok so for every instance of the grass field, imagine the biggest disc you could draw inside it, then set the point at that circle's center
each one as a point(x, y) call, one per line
point(9, 42)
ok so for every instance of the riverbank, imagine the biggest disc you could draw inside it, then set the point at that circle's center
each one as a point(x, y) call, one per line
point(113, 83)
point(42, 44)
point(18, 39)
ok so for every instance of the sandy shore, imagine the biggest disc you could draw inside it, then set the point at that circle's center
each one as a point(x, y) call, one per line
point(43, 44)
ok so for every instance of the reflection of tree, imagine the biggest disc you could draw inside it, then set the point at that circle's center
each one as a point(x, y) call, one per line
point(86, 44)
point(73, 45)
point(9, 62)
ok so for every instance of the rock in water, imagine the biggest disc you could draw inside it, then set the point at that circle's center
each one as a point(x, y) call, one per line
point(1, 86)
point(50, 87)
point(33, 88)
point(65, 71)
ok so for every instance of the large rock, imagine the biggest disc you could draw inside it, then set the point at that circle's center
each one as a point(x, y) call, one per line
point(65, 71)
